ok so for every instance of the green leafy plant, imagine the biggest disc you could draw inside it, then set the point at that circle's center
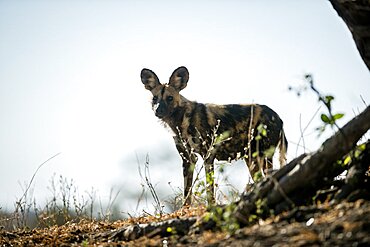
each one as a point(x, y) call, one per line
point(328, 119)
point(223, 217)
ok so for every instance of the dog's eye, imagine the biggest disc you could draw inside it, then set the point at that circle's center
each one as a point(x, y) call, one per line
point(169, 98)
point(155, 98)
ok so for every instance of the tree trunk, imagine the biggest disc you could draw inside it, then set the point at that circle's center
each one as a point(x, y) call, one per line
point(356, 14)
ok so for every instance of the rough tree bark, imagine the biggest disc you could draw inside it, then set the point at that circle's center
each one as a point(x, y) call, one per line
point(179, 226)
point(356, 15)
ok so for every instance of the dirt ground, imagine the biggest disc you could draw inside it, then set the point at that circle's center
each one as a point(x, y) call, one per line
point(344, 224)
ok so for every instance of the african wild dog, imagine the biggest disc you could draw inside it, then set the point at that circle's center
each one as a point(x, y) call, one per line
point(194, 127)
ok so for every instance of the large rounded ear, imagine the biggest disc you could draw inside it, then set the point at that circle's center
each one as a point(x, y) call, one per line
point(179, 78)
point(149, 79)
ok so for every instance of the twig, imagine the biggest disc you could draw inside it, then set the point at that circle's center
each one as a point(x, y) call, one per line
point(142, 185)
point(151, 187)
point(363, 100)
point(304, 130)
point(34, 174)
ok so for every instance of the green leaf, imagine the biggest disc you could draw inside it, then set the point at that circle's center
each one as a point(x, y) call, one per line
point(219, 210)
point(257, 176)
point(269, 152)
point(328, 98)
point(338, 116)
point(262, 129)
point(252, 217)
point(359, 150)
point(325, 118)
point(254, 155)
point(222, 137)
point(362, 146)
point(347, 160)
point(264, 132)
point(207, 216)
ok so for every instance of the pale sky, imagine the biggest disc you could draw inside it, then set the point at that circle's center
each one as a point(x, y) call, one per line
point(70, 80)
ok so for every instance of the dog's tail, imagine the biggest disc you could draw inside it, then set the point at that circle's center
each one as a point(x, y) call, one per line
point(283, 147)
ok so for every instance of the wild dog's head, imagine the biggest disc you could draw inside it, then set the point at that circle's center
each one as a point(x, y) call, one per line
point(166, 97)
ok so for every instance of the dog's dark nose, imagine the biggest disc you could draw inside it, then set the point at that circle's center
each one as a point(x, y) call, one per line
point(160, 111)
